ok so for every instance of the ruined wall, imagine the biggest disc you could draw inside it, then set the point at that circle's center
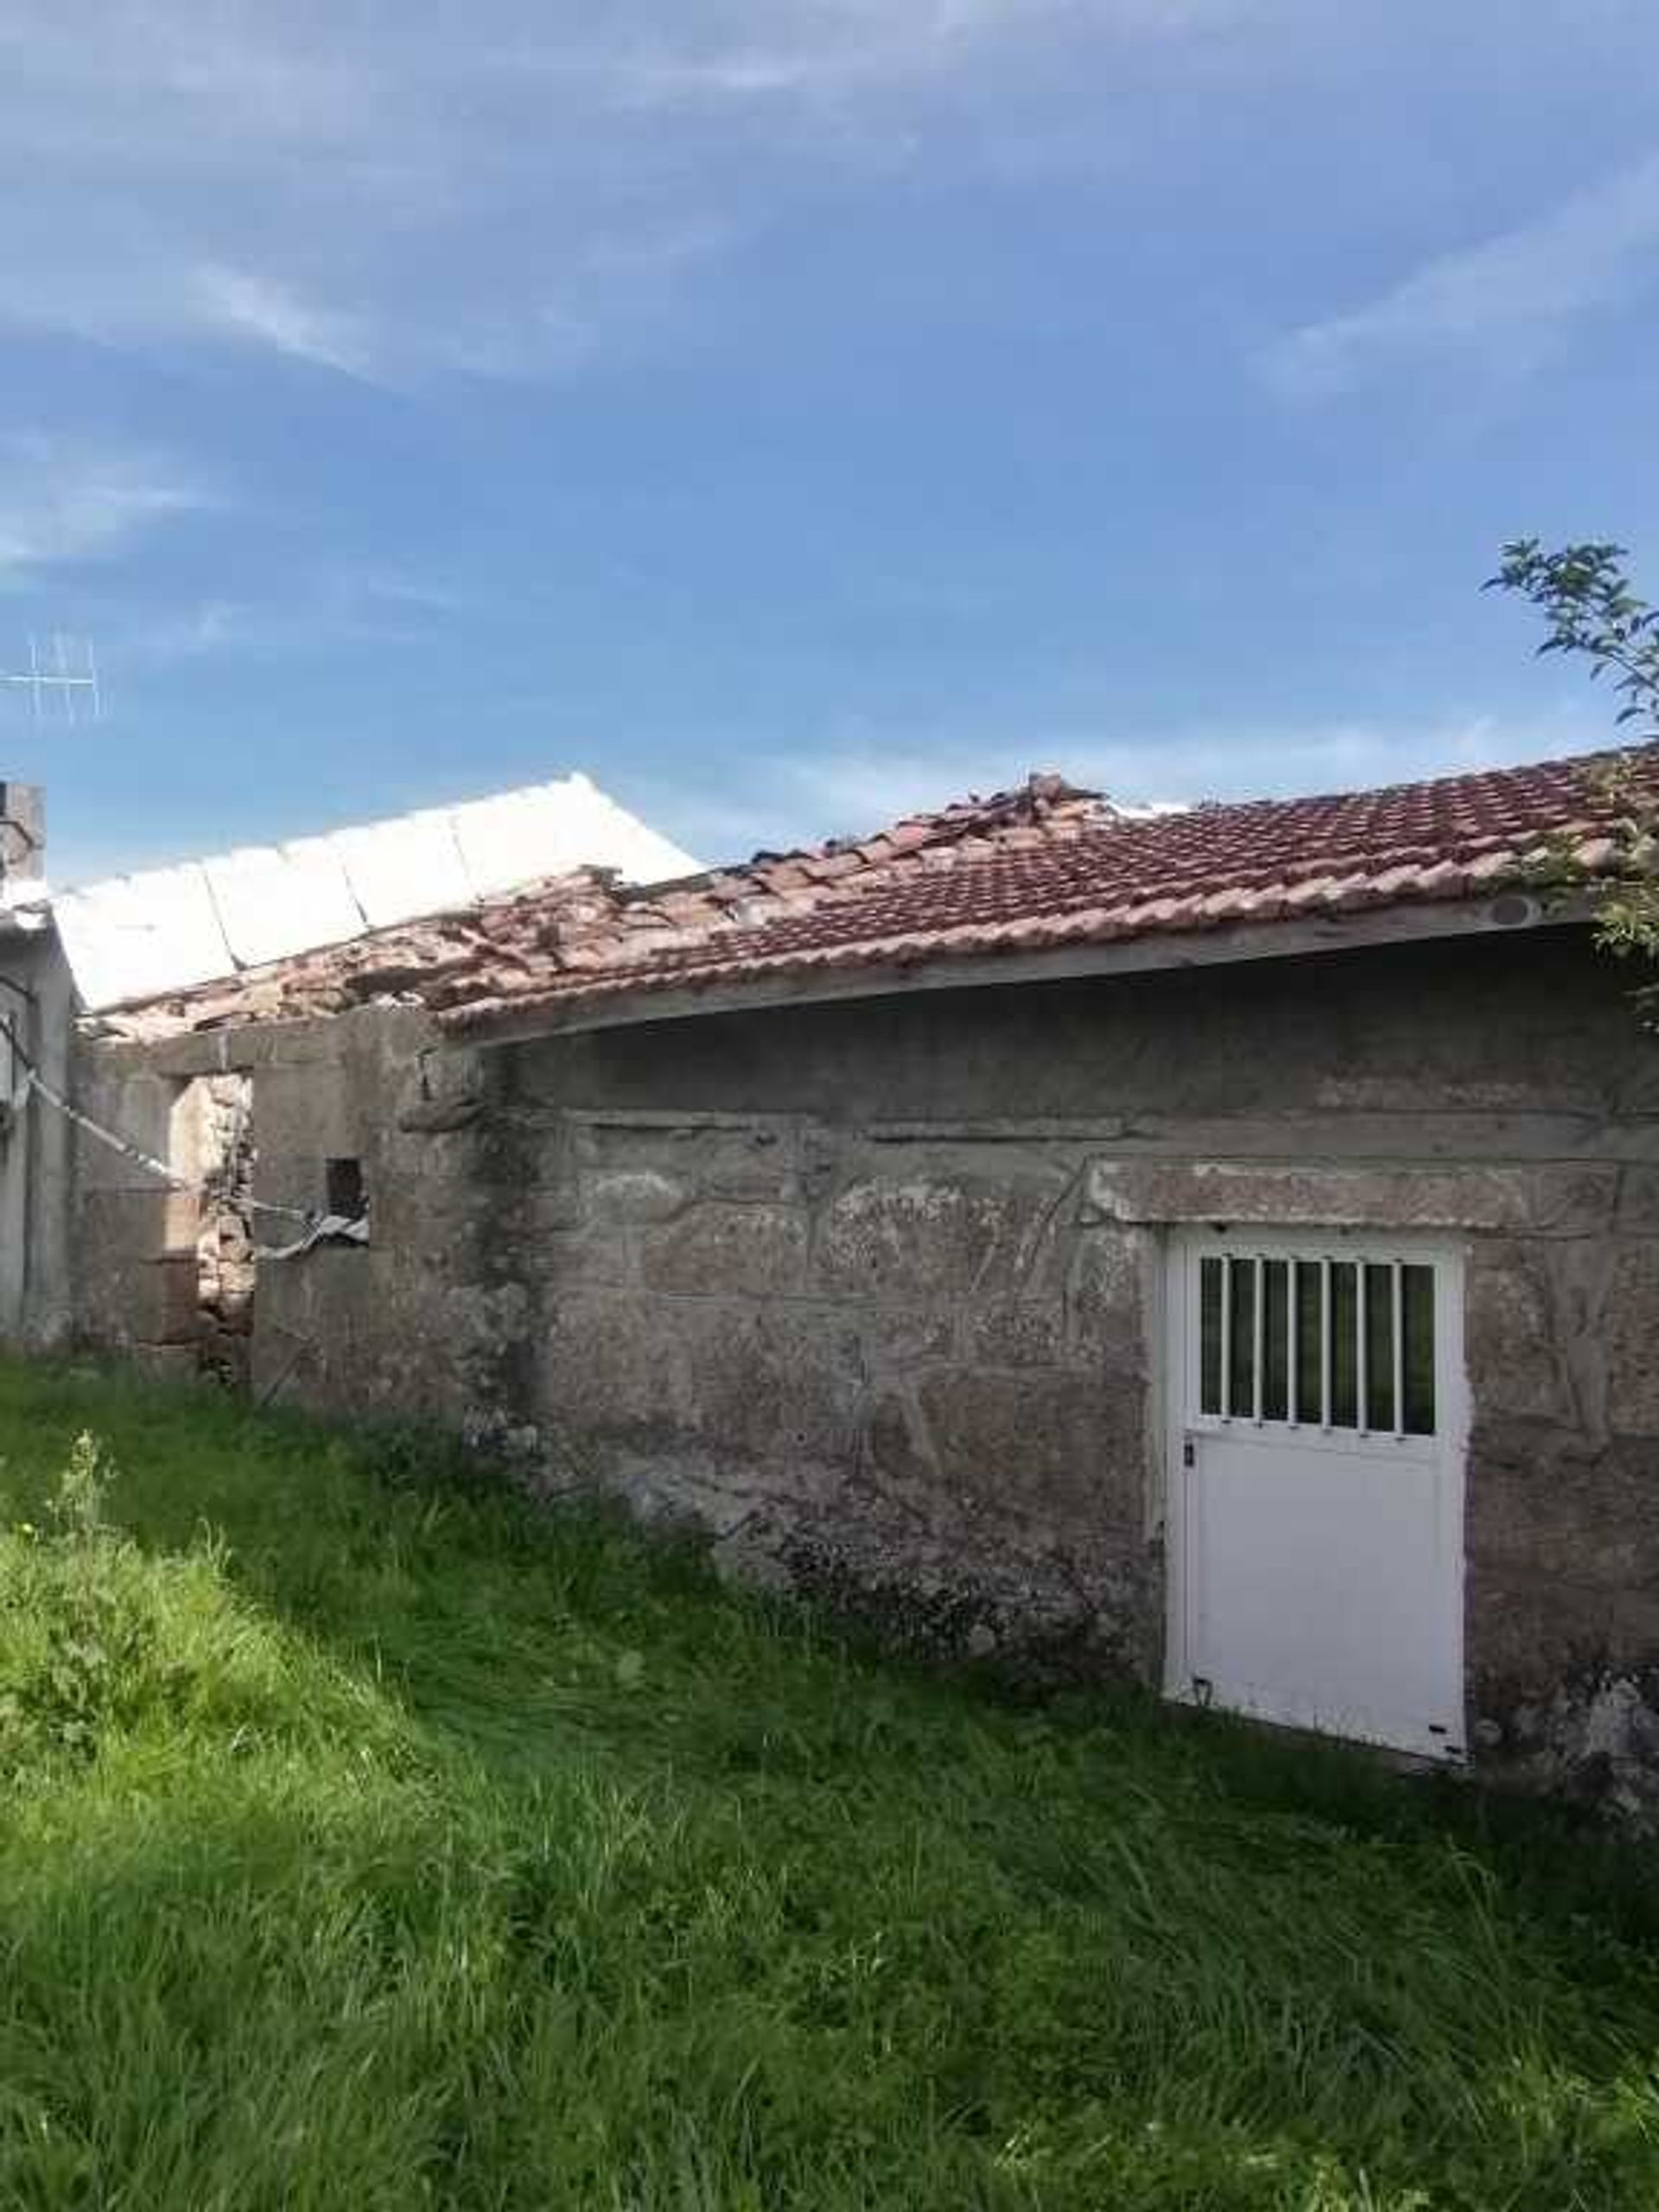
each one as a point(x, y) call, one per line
point(345, 1328)
point(871, 1290)
point(227, 1232)
point(418, 1323)
point(135, 1275)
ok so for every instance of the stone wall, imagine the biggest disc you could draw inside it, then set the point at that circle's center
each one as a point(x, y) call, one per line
point(387, 1329)
point(894, 1369)
point(871, 1291)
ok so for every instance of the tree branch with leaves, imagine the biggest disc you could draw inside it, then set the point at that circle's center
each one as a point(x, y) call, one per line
point(1584, 595)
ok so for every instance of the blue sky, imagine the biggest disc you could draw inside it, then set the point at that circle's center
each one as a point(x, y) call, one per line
point(792, 411)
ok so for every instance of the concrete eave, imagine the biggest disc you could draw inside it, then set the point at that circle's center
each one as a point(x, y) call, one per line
point(1506, 913)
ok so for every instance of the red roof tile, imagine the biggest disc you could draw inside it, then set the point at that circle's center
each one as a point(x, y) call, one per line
point(1041, 866)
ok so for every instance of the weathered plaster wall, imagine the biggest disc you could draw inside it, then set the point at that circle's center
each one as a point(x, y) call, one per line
point(871, 1290)
point(37, 996)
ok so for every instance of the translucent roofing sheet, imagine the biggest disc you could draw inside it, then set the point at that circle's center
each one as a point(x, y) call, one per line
point(136, 936)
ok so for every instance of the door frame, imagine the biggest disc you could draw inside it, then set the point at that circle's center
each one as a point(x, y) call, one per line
point(1449, 1250)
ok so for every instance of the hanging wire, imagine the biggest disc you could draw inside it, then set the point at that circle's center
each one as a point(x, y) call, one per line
point(36, 1083)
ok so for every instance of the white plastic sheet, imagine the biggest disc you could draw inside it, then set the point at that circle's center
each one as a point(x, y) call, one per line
point(135, 937)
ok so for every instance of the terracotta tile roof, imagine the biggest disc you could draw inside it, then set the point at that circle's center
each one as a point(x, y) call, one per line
point(1040, 866)
point(1048, 866)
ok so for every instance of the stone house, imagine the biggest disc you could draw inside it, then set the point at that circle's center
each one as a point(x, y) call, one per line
point(1221, 1246)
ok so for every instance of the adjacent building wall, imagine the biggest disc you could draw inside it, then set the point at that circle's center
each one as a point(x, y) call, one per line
point(872, 1291)
point(37, 1000)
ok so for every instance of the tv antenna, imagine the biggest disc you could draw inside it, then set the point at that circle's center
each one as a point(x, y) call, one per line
point(62, 671)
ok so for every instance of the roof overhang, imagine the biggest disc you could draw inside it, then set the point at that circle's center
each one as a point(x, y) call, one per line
point(1505, 913)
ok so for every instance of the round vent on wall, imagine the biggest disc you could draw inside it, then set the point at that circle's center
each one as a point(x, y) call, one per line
point(1515, 910)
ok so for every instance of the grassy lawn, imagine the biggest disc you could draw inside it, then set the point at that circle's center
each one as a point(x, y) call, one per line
point(368, 1843)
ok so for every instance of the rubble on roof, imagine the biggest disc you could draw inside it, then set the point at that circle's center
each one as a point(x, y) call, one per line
point(166, 929)
point(425, 962)
point(578, 923)
point(1041, 866)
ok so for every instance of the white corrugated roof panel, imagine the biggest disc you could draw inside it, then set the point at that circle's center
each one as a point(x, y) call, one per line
point(137, 936)
point(140, 934)
point(278, 899)
point(400, 869)
point(553, 828)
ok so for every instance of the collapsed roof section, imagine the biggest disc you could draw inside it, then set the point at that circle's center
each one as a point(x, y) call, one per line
point(170, 930)
point(577, 922)
point(1041, 868)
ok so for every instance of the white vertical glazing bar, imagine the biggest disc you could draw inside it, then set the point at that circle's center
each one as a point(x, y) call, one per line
point(1258, 1316)
point(1362, 1360)
point(1194, 1265)
point(1399, 1287)
point(1293, 1341)
point(1325, 1343)
point(1226, 1339)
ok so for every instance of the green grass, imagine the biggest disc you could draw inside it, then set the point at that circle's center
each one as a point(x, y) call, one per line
point(369, 1841)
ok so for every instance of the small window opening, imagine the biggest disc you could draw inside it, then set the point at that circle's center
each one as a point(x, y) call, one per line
point(1320, 1341)
point(345, 1192)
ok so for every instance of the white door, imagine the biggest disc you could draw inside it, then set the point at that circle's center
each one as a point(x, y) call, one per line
point(1316, 1435)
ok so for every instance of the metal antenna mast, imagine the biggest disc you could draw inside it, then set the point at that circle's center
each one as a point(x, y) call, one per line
point(64, 674)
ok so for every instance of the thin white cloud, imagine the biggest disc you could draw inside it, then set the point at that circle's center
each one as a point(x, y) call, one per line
point(64, 501)
point(797, 52)
point(209, 627)
point(355, 603)
point(850, 790)
point(804, 54)
point(1511, 295)
point(358, 586)
point(265, 312)
point(383, 189)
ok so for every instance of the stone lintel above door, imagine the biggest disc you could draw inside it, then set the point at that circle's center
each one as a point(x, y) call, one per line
point(1566, 1200)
